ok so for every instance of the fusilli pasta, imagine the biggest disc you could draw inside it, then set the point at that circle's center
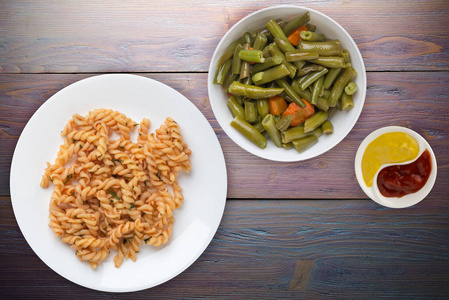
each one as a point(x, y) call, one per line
point(117, 194)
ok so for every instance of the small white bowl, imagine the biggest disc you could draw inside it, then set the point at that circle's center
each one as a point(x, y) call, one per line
point(343, 121)
point(373, 191)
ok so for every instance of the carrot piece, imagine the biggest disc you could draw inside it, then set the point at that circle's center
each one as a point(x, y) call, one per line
point(277, 105)
point(294, 37)
point(300, 115)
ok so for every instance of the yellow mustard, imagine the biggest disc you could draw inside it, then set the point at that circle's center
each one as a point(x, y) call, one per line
point(392, 147)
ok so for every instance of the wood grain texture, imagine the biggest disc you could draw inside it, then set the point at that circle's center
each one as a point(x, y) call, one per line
point(181, 36)
point(417, 100)
point(274, 249)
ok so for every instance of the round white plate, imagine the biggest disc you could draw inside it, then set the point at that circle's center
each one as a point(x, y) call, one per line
point(204, 188)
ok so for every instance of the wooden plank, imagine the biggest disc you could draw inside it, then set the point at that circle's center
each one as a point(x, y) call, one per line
point(280, 249)
point(417, 100)
point(171, 36)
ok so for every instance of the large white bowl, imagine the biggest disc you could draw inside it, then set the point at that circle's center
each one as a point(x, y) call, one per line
point(343, 121)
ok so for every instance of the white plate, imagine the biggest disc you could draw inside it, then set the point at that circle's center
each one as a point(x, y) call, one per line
point(204, 188)
point(343, 121)
point(373, 191)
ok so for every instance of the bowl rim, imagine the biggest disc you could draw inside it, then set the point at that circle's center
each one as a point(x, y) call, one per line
point(245, 144)
point(373, 192)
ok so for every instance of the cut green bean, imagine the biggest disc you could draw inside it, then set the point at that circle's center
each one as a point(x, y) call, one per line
point(259, 127)
point(248, 131)
point(271, 74)
point(269, 62)
point(329, 61)
point(260, 41)
point(305, 94)
point(255, 56)
point(229, 78)
point(309, 68)
point(285, 46)
point(315, 121)
point(284, 122)
point(252, 91)
point(297, 22)
point(229, 52)
point(312, 36)
point(327, 127)
point(322, 104)
point(270, 127)
point(235, 107)
point(275, 30)
point(294, 133)
point(346, 55)
point(328, 48)
point(330, 77)
point(250, 111)
point(346, 101)
point(351, 88)
point(222, 71)
point(301, 55)
point(236, 61)
point(248, 38)
point(305, 143)
point(311, 27)
point(311, 78)
point(290, 92)
point(263, 107)
point(317, 90)
point(275, 51)
point(245, 66)
point(340, 84)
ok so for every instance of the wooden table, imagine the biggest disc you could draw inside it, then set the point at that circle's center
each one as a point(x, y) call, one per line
point(290, 230)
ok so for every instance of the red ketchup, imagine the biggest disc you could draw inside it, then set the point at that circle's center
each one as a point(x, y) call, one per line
point(400, 180)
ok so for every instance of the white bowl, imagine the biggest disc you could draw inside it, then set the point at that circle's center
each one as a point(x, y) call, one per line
point(343, 121)
point(373, 191)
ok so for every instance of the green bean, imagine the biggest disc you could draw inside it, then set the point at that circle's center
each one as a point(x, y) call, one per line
point(282, 82)
point(248, 131)
point(222, 71)
point(310, 78)
point(245, 66)
point(340, 84)
point(229, 78)
point(347, 103)
point(275, 30)
point(287, 146)
point(270, 127)
point(229, 52)
point(248, 38)
point(322, 104)
point(326, 92)
point(329, 61)
point(235, 107)
point(305, 94)
point(318, 132)
point(269, 62)
point(327, 127)
point(303, 144)
point(351, 88)
point(284, 122)
point(275, 51)
point(286, 97)
point(267, 33)
point(259, 127)
point(294, 133)
point(297, 22)
point(317, 90)
point(250, 111)
point(309, 68)
point(255, 56)
point(346, 55)
point(260, 41)
point(330, 77)
point(312, 36)
point(271, 74)
point(263, 107)
point(240, 99)
point(311, 27)
point(301, 55)
point(329, 48)
point(285, 46)
point(247, 80)
point(315, 121)
point(252, 91)
point(236, 61)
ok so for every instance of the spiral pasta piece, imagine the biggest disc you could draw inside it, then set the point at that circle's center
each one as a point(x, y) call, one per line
point(115, 194)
